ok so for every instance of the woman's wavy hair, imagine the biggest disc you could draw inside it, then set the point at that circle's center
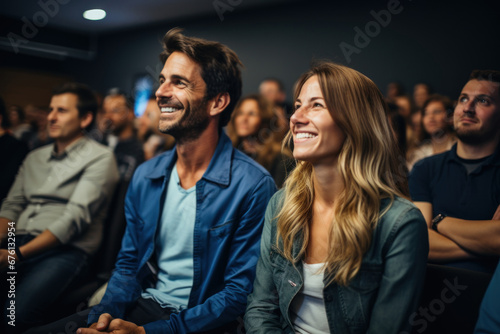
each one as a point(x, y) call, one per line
point(368, 163)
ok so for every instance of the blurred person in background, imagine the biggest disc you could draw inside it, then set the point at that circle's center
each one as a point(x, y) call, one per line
point(12, 153)
point(437, 125)
point(154, 142)
point(273, 90)
point(38, 136)
point(56, 207)
point(18, 125)
point(118, 119)
point(251, 131)
point(421, 93)
point(394, 89)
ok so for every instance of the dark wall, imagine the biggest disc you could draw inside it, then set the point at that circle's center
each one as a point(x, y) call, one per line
point(424, 41)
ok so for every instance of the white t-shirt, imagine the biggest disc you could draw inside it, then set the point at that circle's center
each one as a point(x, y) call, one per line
point(308, 308)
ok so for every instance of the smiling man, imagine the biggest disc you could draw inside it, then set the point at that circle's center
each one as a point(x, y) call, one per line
point(56, 207)
point(194, 213)
point(458, 191)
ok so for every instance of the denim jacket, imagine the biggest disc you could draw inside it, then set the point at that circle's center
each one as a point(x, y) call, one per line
point(231, 199)
point(379, 299)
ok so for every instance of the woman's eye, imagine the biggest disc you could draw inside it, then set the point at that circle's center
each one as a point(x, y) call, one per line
point(319, 105)
point(296, 107)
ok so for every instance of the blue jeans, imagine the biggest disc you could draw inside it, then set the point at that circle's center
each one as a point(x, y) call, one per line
point(40, 280)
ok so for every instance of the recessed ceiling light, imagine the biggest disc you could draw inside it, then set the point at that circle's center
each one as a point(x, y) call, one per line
point(94, 14)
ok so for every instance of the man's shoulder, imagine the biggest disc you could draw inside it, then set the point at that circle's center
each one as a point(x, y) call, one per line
point(432, 162)
point(245, 164)
point(42, 151)
point(156, 164)
point(96, 149)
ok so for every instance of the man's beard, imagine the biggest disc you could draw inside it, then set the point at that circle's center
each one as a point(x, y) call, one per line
point(474, 136)
point(192, 123)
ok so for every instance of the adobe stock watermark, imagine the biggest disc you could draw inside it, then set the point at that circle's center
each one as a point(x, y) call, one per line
point(437, 306)
point(222, 6)
point(372, 29)
point(48, 8)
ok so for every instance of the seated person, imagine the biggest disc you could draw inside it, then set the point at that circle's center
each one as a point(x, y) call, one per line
point(119, 120)
point(195, 212)
point(253, 130)
point(458, 191)
point(56, 208)
point(437, 135)
point(13, 152)
point(342, 251)
point(273, 90)
point(153, 141)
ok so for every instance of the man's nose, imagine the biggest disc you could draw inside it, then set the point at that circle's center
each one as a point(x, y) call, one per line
point(165, 90)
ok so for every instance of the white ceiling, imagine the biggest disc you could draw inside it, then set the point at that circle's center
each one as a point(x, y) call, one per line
point(122, 14)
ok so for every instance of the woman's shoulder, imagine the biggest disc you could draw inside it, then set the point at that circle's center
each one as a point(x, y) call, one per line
point(276, 201)
point(397, 212)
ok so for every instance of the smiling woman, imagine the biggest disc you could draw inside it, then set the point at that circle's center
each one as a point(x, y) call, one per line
point(342, 249)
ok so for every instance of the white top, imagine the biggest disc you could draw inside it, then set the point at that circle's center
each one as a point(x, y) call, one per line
point(308, 312)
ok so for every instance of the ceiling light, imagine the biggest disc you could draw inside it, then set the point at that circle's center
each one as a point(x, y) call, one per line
point(94, 14)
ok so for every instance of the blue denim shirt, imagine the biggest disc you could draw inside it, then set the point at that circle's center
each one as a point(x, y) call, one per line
point(380, 298)
point(231, 199)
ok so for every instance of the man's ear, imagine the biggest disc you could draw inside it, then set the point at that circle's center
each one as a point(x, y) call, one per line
point(86, 120)
point(219, 103)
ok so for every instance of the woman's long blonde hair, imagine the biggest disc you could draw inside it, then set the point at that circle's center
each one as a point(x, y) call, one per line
point(369, 164)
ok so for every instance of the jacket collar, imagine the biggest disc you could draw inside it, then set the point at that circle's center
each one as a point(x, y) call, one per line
point(218, 171)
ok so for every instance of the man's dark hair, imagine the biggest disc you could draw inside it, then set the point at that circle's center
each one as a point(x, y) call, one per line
point(87, 102)
point(129, 100)
point(489, 75)
point(220, 66)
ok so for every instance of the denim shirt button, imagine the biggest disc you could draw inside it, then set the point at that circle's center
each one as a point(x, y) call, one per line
point(328, 298)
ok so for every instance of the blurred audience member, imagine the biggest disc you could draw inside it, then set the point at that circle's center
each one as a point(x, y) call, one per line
point(18, 125)
point(154, 142)
point(39, 135)
point(394, 89)
point(405, 105)
point(421, 92)
point(118, 120)
point(406, 108)
point(458, 191)
point(250, 130)
point(273, 90)
point(56, 206)
point(12, 153)
point(437, 125)
point(398, 125)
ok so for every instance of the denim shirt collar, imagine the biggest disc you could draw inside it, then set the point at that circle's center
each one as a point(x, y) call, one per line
point(218, 171)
